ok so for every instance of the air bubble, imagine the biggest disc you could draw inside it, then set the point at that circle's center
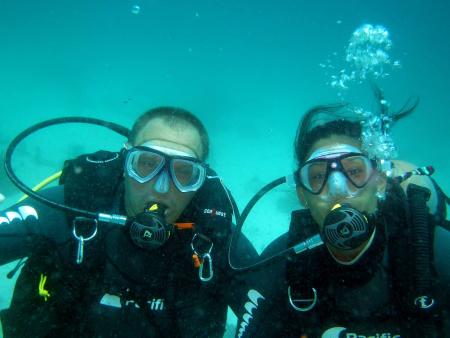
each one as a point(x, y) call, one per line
point(135, 9)
point(367, 56)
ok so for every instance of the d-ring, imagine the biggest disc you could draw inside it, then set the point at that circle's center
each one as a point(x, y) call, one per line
point(313, 301)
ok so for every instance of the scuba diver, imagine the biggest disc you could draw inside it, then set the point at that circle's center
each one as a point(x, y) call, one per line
point(366, 257)
point(130, 244)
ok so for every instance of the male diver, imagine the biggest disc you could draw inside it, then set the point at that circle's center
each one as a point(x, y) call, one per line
point(162, 272)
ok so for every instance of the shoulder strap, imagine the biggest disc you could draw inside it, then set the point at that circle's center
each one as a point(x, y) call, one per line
point(396, 214)
point(301, 270)
point(91, 182)
point(92, 175)
point(211, 207)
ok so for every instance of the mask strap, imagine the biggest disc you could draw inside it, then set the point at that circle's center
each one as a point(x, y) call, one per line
point(421, 171)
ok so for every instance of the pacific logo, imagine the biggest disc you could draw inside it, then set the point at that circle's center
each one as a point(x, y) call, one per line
point(25, 213)
point(341, 332)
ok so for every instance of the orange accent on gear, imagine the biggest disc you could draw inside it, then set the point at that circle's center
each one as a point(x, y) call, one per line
point(184, 226)
point(196, 261)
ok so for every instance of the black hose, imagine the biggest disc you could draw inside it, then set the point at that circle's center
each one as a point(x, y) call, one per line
point(240, 223)
point(19, 138)
point(421, 242)
point(420, 238)
point(258, 196)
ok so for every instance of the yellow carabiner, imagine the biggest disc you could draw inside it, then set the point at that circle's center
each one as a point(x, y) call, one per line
point(42, 292)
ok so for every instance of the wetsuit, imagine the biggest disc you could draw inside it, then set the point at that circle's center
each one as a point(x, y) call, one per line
point(368, 299)
point(119, 290)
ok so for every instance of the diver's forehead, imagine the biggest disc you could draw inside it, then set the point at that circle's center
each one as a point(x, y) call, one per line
point(183, 137)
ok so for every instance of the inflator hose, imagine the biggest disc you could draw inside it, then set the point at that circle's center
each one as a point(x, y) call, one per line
point(420, 238)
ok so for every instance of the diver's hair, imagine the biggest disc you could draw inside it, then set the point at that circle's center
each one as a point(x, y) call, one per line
point(174, 117)
point(307, 135)
point(342, 123)
point(409, 106)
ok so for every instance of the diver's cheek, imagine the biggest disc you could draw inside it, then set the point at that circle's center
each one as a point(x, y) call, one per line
point(318, 219)
point(367, 201)
point(319, 214)
point(317, 206)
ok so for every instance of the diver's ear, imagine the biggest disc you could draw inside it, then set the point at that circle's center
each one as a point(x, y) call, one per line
point(301, 196)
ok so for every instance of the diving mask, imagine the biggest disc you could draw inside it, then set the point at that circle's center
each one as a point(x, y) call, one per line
point(336, 171)
point(147, 161)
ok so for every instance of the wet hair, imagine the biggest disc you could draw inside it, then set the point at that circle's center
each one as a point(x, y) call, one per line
point(308, 134)
point(339, 119)
point(174, 117)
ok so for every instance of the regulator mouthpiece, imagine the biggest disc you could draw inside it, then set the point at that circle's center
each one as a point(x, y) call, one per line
point(149, 230)
point(346, 228)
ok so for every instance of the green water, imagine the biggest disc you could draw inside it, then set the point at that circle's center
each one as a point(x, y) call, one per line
point(248, 69)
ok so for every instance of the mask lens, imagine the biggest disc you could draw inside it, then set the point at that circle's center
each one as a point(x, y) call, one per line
point(144, 165)
point(313, 176)
point(358, 169)
point(187, 175)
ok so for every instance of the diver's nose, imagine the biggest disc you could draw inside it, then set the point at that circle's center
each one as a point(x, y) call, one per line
point(337, 184)
point(162, 182)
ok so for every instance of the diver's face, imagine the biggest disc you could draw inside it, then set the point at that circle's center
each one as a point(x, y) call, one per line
point(182, 138)
point(338, 188)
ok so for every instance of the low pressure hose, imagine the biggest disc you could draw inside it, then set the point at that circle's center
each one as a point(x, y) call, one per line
point(421, 239)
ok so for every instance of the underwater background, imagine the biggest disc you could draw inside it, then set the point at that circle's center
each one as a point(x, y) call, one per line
point(248, 69)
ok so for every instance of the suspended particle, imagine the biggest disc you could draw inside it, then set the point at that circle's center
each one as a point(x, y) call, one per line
point(136, 9)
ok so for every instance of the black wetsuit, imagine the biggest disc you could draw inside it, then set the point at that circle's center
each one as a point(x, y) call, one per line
point(355, 301)
point(119, 290)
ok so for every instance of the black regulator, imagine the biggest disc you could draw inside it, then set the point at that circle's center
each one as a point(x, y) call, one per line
point(346, 228)
point(149, 230)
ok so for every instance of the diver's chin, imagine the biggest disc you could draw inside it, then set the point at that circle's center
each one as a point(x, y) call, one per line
point(169, 217)
point(352, 256)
